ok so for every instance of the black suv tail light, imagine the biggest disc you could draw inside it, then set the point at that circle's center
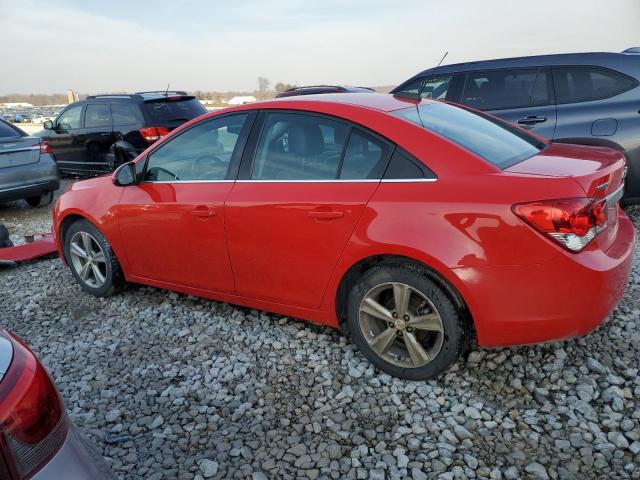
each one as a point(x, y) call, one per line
point(152, 134)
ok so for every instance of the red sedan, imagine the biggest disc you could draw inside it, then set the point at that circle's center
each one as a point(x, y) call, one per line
point(415, 226)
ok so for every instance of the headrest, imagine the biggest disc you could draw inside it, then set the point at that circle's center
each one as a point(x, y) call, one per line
point(306, 139)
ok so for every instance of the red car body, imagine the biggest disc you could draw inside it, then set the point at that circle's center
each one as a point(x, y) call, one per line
point(286, 248)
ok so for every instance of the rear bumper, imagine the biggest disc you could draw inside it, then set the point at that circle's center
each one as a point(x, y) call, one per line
point(29, 180)
point(77, 459)
point(564, 298)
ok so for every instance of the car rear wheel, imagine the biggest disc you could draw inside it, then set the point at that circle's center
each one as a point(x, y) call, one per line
point(91, 259)
point(40, 200)
point(404, 323)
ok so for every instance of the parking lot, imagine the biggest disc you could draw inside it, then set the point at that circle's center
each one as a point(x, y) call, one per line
point(172, 386)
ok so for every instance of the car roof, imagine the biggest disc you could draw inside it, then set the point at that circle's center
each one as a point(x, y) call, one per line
point(588, 58)
point(377, 101)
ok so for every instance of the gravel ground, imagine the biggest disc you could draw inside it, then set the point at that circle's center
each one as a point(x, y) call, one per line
point(171, 386)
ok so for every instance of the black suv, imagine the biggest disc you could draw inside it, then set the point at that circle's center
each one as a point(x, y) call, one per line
point(584, 98)
point(97, 134)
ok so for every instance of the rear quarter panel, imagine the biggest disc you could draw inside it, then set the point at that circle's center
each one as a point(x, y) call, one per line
point(457, 222)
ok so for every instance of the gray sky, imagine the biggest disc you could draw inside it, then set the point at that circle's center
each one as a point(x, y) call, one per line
point(127, 45)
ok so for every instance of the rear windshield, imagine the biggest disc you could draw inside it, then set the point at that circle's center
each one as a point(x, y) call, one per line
point(162, 112)
point(7, 131)
point(495, 141)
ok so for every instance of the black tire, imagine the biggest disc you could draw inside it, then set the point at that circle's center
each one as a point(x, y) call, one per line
point(113, 278)
point(40, 200)
point(455, 334)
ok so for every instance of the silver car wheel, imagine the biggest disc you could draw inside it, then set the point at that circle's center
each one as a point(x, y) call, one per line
point(401, 325)
point(88, 259)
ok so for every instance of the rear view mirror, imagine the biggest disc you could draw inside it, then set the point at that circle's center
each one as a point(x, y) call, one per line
point(125, 175)
point(48, 125)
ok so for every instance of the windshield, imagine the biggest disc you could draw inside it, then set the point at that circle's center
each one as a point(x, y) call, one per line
point(494, 141)
point(162, 112)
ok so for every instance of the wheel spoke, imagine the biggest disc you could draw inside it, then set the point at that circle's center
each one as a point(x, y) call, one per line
point(97, 274)
point(373, 308)
point(430, 322)
point(383, 341)
point(99, 257)
point(418, 354)
point(401, 296)
point(78, 251)
point(86, 241)
point(84, 271)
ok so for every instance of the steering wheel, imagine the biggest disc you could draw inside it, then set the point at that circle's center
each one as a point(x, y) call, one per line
point(154, 171)
point(204, 163)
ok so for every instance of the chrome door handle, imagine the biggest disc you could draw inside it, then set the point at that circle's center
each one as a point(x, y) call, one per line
point(532, 120)
point(203, 212)
point(323, 215)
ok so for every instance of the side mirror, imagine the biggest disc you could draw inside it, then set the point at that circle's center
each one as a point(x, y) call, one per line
point(48, 125)
point(125, 175)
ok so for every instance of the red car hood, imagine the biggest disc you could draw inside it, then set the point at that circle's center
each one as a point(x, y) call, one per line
point(92, 182)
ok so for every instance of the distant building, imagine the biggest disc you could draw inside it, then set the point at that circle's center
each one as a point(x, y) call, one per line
point(16, 105)
point(72, 96)
point(242, 100)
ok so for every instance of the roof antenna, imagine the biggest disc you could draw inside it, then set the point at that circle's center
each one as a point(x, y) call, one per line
point(166, 94)
point(440, 63)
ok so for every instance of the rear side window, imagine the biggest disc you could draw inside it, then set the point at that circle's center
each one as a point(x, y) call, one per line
point(173, 112)
point(583, 84)
point(490, 139)
point(299, 147)
point(6, 131)
point(365, 157)
point(405, 167)
point(500, 89)
point(430, 87)
point(98, 115)
point(123, 114)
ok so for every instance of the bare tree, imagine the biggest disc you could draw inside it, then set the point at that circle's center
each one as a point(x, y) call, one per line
point(263, 86)
point(281, 87)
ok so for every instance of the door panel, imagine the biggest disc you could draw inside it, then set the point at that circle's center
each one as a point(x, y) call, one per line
point(167, 239)
point(285, 238)
point(540, 120)
point(173, 224)
point(521, 96)
point(96, 137)
point(63, 138)
point(306, 184)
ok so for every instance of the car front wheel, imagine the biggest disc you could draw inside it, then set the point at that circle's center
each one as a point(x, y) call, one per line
point(404, 323)
point(91, 259)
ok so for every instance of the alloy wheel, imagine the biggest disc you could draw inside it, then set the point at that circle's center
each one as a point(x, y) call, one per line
point(88, 259)
point(401, 325)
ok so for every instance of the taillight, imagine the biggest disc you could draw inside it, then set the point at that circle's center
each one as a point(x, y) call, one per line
point(33, 422)
point(45, 147)
point(573, 223)
point(152, 134)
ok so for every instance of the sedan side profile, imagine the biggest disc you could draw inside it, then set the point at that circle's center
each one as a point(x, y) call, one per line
point(415, 226)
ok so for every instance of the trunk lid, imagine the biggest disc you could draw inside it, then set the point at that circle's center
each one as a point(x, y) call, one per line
point(599, 171)
point(16, 151)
